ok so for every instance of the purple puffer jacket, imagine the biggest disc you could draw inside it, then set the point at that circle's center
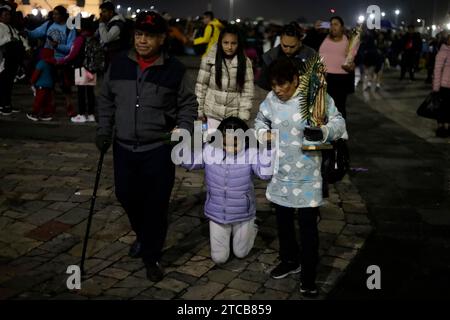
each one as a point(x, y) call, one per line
point(230, 196)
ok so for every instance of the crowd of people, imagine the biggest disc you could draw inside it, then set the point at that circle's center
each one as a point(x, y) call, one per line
point(145, 97)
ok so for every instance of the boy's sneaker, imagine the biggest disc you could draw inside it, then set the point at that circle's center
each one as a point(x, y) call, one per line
point(90, 118)
point(6, 111)
point(284, 269)
point(46, 117)
point(155, 272)
point(309, 291)
point(78, 119)
point(32, 117)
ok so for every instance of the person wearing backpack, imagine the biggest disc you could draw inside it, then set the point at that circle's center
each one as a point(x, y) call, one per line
point(87, 59)
point(12, 48)
point(59, 38)
point(112, 30)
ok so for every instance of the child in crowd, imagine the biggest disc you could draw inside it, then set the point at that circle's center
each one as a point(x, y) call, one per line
point(42, 81)
point(230, 200)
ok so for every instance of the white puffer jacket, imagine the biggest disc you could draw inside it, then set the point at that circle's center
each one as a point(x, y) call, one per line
point(226, 102)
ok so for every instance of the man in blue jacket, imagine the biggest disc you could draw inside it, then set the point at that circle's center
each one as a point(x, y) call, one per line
point(144, 97)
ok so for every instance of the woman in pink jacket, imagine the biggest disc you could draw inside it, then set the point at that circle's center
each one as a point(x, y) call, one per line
point(441, 84)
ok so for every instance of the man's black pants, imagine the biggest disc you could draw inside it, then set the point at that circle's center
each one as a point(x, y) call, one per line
point(144, 182)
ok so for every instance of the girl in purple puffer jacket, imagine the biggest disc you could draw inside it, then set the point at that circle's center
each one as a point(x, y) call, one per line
point(230, 199)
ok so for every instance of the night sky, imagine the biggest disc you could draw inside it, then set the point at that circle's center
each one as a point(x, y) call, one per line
point(286, 10)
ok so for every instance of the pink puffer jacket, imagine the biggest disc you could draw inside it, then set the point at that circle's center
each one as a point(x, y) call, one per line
point(442, 69)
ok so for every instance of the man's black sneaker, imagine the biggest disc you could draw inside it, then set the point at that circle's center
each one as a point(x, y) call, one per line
point(15, 110)
point(284, 269)
point(309, 292)
point(135, 250)
point(155, 272)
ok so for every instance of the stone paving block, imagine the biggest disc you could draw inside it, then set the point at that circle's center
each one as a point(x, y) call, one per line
point(203, 292)
point(182, 277)
point(357, 219)
point(244, 285)
point(62, 206)
point(254, 276)
point(115, 273)
point(123, 293)
point(58, 196)
point(334, 262)
point(60, 243)
point(158, 294)
point(354, 207)
point(17, 215)
point(48, 230)
point(133, 282)
point(232, 294)
point(221, 276)
point(112, 232)
point(357, 230)
point(286, 285)
point(331, 226)
point(31, 196)
point(74, 216)
point(341, 252)
point(269, 294)
point(197, 266)
point(172, 285)
point(110, 250)
point(268, 257)
point(349, 241)
point(93, 247)
point(332, 212)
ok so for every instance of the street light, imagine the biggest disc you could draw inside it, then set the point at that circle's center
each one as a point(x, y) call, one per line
point(35, 12)
point(138, 10)
point(118, 7)
point(383, 14)
point(397, 12)
point(129, 9)
point(448, 26)
point(238, 20)
point(361, 19)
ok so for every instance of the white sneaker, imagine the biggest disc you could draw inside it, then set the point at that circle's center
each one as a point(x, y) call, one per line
point(78, 119)
point(90, 118)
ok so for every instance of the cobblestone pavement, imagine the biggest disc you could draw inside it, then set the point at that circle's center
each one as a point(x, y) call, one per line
point(45, 194)
point(44, 204)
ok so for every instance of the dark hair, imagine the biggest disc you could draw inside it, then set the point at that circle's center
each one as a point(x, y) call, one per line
point(341, 21)
point(242, 60)
point(87, 24)
point(209, 14)
point(292, 30)
point(62, 11)
point(234, 123)
point(283, 70)
point(107, 6)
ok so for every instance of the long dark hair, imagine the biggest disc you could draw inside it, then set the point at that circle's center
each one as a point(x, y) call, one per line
point(242, 60)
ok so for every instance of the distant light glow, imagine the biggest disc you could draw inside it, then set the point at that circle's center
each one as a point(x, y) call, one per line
point(361, 19)
point(138, 10)
point(84, 14)
point(397, 12)
point(383, 14)
point(433, 27)
point(238, 20)
point(133, 15)
point(372, 16)
point(118, 7)
point(35, 12)
point(44, 12)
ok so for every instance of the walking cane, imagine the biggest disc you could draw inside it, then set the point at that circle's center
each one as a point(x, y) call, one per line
point(91, 211)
